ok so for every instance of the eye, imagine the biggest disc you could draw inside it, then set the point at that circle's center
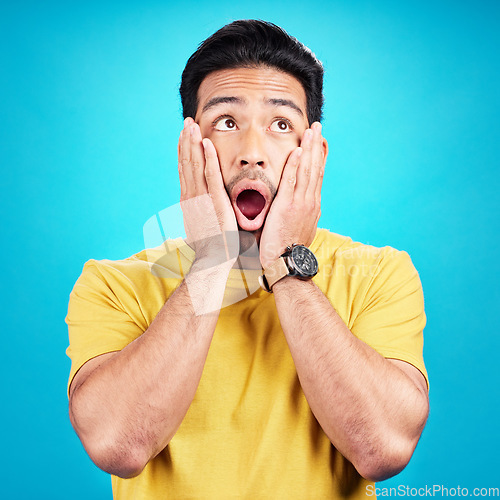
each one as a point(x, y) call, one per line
point(224, 123)
point(281, 125)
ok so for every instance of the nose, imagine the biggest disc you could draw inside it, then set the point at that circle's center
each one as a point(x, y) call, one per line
point(252, 148)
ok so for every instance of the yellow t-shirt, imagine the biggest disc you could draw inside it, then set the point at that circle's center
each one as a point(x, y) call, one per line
point(249, 432)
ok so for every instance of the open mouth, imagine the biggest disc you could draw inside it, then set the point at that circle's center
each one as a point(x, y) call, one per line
point(251, 200)
point(251, 203)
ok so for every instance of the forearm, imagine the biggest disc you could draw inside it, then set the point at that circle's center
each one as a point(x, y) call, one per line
point(370, 409)
point(127, 410)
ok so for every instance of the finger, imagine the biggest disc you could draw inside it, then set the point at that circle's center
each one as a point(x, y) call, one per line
point(289, 175)
point(317, 164)
point(182, 181)
point(197, 160)
point(324, 155)
point(184, 163)
point(304, 167)
point(213, 175)
point(319, 185)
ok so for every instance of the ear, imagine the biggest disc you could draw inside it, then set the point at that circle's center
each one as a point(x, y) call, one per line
point(325, 149)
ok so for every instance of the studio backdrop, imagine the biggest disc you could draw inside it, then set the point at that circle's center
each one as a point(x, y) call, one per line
point(90, 118)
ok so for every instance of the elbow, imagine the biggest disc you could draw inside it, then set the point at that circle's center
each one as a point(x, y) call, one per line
point(117, 466)
point(116, 459)
point(387, 462)
point(105, 448)
point(395, 450)
point(379, 470)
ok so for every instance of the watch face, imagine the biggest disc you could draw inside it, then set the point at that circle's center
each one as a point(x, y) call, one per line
point(304, 261)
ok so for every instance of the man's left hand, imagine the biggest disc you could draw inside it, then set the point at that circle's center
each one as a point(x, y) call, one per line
point(294, 213)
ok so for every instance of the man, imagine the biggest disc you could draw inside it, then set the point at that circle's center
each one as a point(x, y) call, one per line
point(310, 386)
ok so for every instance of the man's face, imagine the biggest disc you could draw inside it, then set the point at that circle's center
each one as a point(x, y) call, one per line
point(255, 117)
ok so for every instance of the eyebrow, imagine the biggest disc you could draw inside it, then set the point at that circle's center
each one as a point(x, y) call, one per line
point(222, 100)
point(285, 102)
point(215, 101)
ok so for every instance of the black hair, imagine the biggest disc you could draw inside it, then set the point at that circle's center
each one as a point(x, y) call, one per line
point(250, 43)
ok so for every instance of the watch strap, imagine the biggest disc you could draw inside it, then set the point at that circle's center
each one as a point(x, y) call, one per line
point(276, 271)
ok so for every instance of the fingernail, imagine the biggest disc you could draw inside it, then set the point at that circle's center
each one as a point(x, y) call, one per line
point(205, 142)
point(299, 152)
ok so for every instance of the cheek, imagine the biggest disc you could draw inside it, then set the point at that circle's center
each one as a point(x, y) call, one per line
point(279, 153)
point(226, 152)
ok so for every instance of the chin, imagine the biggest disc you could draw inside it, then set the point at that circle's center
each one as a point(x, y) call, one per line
point(254, 235)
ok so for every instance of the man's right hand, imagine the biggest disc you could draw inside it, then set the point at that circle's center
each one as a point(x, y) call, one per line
point(209, 218)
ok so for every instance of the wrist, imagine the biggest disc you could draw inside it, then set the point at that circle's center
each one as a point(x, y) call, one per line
point(206, 284)
point(291, 283)
point(297, 261)
point(217, 249)
point(211, 265)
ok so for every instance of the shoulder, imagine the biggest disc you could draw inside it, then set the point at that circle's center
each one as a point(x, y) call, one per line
point(169, 261)
point(329, 247)
point(361, 271)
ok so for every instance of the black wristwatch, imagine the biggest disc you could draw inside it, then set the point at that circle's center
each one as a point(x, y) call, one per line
point(297, 261)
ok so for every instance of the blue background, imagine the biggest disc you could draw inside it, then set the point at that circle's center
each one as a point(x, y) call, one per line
point(90, 117)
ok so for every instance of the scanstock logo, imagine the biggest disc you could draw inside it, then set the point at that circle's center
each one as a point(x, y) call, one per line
point(170, 256)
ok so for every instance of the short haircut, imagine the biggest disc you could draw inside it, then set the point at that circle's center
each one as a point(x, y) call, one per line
point(249, 44)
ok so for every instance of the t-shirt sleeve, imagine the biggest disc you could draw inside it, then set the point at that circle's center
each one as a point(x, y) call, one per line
point(392, 317)
point(97, 320)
